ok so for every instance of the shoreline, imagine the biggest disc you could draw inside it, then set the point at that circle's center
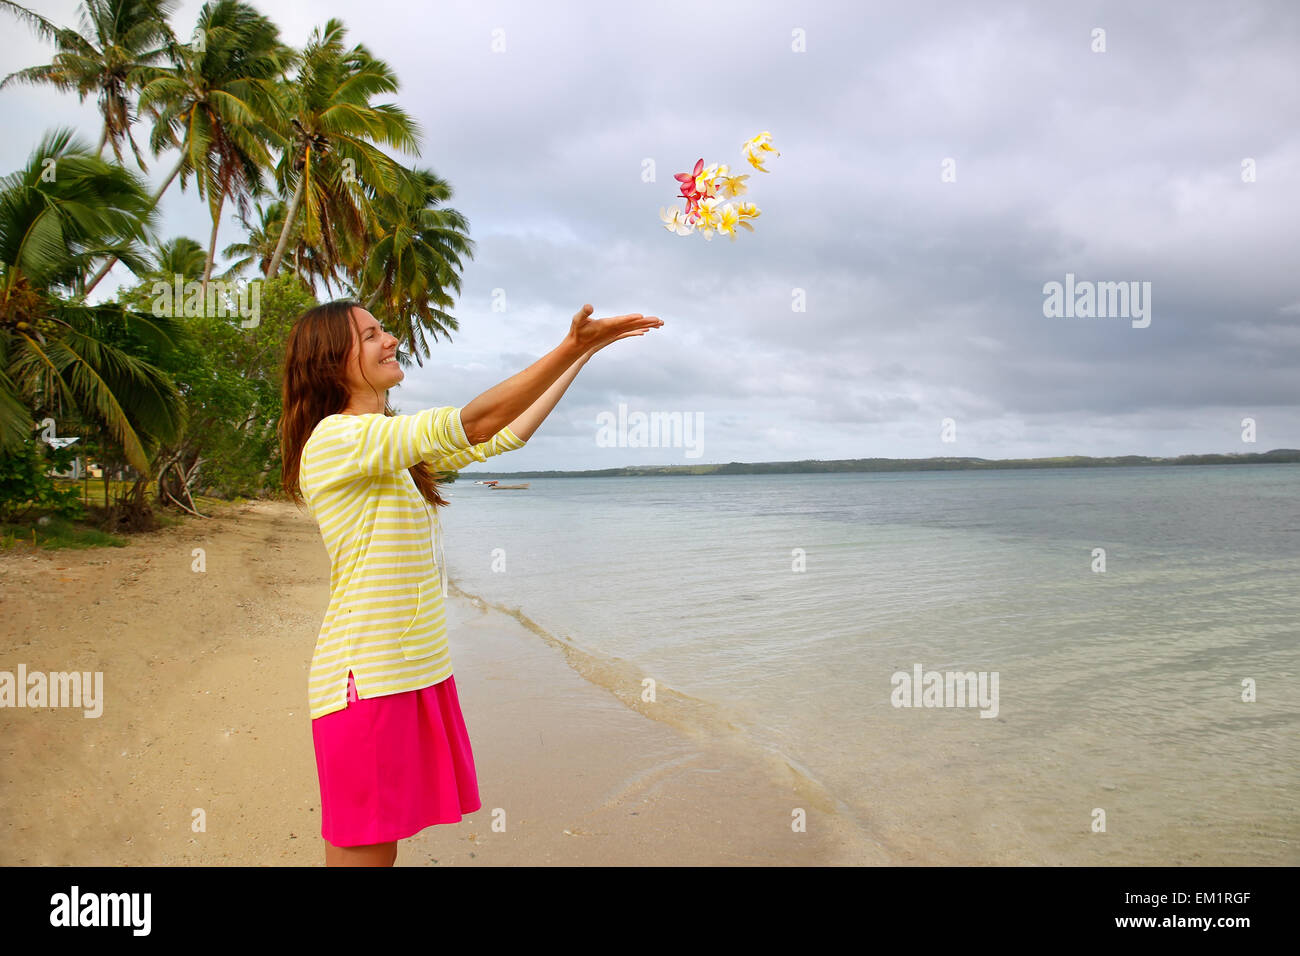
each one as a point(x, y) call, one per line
point(203, 753)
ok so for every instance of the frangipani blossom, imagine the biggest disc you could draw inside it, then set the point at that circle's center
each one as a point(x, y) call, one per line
point(733, 186)
point(690, 188)
point(704, 187)
point(756, 147)
point(728, 219)
point(747, 210)
point(690, 177)
point(675, 221)
point(707, 216)
point(704, 182)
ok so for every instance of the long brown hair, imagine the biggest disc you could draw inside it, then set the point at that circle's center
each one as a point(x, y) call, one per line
point(315, 386)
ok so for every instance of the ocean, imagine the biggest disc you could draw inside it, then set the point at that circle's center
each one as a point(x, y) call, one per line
point(1116, 725)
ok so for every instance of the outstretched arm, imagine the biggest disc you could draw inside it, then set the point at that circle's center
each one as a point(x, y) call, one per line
point(501, 404)
point(515, 435)
point(536, 413)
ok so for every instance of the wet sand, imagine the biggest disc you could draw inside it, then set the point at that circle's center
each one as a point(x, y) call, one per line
point(203, 752)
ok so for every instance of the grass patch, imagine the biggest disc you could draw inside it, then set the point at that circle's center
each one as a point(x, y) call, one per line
point(54, 534)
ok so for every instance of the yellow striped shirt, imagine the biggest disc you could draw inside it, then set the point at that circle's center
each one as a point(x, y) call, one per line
point(386, 619)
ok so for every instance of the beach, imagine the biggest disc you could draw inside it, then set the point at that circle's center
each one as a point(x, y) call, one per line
point(203, 752)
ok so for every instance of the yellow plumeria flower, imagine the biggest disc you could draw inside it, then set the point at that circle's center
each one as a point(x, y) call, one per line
point(709, 216)
point(728, 219)
point(747, 210)
point(675, 221)
point(733, 186)
point(707, 209)
point(756, 147)
point(705, 183)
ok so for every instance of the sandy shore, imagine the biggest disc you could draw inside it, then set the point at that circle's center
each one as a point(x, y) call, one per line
point(205, 709)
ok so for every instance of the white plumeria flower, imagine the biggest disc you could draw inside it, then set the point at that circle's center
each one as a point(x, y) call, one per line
point(709, 216)
point(675, 221)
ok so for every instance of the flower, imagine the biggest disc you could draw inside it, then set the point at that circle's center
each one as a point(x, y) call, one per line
point(747, 210)
point(689, 180)
point(704, 187)
point(733, 186)
point(708, 216)
point(756, 147)
point(706, 181)
point(728, 220)
point(675, 221)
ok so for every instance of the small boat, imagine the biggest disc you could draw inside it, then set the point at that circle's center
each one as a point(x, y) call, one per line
point(507, 487)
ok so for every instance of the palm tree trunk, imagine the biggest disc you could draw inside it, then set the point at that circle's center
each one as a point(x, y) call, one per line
point(103, 138)
point(156, 196)
point(212, 244)
point(289, 216)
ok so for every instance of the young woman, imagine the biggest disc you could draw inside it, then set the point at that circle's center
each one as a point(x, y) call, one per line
point(392, 752)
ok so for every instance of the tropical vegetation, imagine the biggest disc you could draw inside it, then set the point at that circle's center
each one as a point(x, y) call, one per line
point(171, 406)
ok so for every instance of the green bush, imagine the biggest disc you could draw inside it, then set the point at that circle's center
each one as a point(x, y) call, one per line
point(26, 484)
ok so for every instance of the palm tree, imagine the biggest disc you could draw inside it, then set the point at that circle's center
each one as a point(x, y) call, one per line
point(331, 164)
point(263, 234)
point(181, 256)
point(63, 357)
point(120, 44)
point(406, 271)
point(205, 89)
point(213, 103)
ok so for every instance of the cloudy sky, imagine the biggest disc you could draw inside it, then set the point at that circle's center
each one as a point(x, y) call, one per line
point(940, 164)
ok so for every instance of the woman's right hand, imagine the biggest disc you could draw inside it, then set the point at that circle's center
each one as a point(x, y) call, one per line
point(590, 334)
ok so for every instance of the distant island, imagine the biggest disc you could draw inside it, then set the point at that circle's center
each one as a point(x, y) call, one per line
point(816, 466)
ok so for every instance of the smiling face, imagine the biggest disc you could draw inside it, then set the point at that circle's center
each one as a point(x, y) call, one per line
point(372, 363)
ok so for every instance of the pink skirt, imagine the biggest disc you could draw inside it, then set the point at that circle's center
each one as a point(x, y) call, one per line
point(390, 766)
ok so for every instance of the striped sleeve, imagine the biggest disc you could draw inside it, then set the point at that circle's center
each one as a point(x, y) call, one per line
point(356, 446)
point(503, 441)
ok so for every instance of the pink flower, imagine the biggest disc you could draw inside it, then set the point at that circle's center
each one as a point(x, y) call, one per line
point(689, 190)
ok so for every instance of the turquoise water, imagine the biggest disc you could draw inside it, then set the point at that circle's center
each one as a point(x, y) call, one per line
point(1118, 691)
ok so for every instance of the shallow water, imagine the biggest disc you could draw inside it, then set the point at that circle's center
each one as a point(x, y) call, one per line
point(790, 601)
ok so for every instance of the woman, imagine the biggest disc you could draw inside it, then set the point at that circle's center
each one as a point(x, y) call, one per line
point(392, 752)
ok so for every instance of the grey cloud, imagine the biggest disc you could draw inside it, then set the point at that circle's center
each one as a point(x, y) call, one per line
point(924, 297)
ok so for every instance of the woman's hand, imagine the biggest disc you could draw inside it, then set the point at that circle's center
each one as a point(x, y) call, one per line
point(592, 335)
point(596, 348)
